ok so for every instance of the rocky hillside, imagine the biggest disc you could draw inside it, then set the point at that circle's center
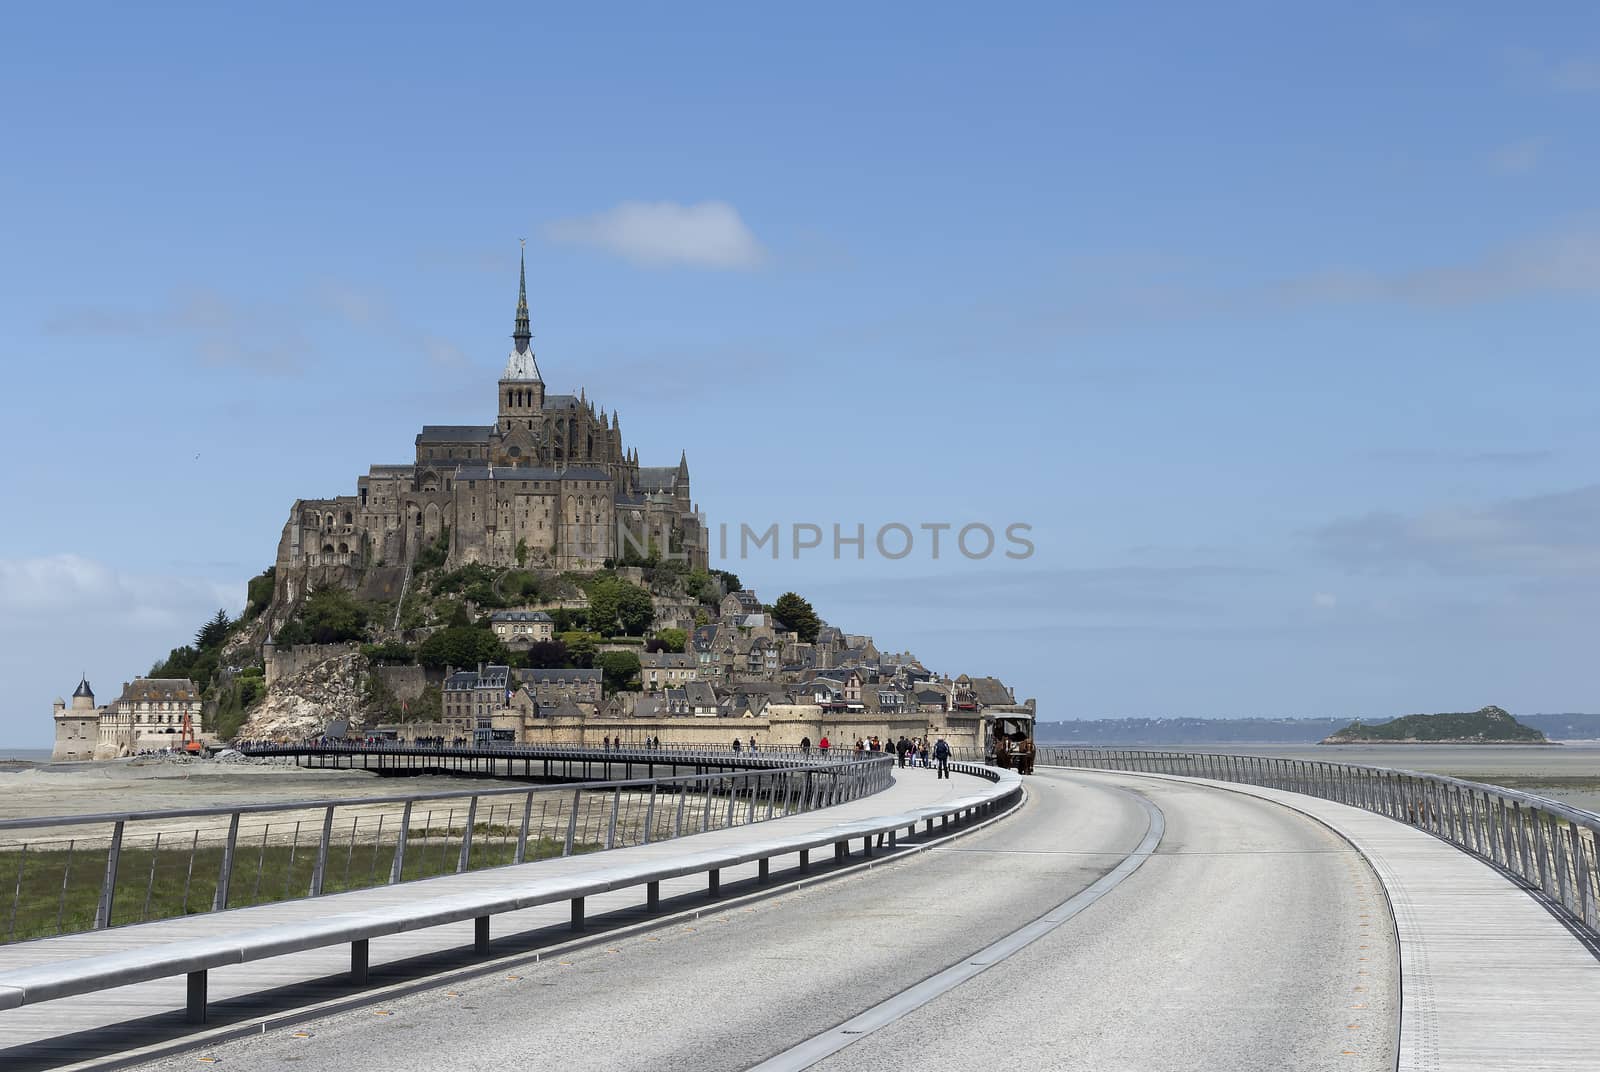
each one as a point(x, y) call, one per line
point(1491, 725)
point(301, 704)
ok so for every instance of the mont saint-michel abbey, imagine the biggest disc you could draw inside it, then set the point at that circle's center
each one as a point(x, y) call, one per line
point(548, 485)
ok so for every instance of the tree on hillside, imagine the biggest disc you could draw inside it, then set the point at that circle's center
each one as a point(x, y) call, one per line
point(699, 585)
point(330, 615)
point(620, 670)
point(461, 646)
point(546, 655)
point(797, 613)
point(581, 647)
point(214, 632)
point(667, 640)
point(259, 593)
point(615, 606)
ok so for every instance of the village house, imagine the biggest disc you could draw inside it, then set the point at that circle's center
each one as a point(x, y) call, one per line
point(550, 687)
point(667, 669)
point(519, 628)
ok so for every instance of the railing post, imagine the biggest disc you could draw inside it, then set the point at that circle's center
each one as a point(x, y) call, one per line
point(108, 887)
point(572, 822)
point(522, 834)
point(1541, 849)
point(320, 869)
point(650, 815)
point(1583, 872)
point(1558, 847)
point(611, 827)
point(225, 872)
point(1524, 857)
point(464, 861)
point(398, 867)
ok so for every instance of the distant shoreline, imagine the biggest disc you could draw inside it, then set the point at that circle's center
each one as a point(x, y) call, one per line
point(1430, 744)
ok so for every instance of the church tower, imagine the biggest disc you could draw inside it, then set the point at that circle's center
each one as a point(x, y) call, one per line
point(521, 388)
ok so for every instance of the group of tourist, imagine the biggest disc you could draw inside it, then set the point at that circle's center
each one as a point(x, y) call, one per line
point(909, 751)
point(614, 744)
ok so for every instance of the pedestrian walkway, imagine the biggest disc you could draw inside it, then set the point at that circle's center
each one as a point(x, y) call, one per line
point(1489, 978)
point(50, 1033)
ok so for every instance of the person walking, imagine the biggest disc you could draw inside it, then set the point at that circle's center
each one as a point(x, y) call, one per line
point(736, 746)
point(822, 746)
point(805, 746)
point(941, 752)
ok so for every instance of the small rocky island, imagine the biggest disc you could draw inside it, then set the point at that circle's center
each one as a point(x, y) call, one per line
point(1491, 725)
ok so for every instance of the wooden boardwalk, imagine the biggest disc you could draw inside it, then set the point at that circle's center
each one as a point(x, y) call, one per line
point(1489, 978)
point(54, 1034)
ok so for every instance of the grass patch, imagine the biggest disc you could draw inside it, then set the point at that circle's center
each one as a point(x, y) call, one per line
point(44, 892)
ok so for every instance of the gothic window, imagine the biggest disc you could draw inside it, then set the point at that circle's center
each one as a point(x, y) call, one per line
point(347, 516)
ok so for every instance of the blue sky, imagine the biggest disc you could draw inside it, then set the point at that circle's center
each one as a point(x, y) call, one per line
point(1279, 330)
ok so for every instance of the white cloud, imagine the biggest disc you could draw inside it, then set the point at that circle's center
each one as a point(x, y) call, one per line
point(710, 234)
point(1543, 534)
point(444, 352)
point(1519, 157)
point(218, 330)
point(63, 615)
point(70, 588)
point(1324, 599)
point(1577, 75)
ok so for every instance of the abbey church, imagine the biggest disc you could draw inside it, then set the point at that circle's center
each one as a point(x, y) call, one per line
point(548, 485)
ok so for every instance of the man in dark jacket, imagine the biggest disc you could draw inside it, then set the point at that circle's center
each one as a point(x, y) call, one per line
point(941, 752)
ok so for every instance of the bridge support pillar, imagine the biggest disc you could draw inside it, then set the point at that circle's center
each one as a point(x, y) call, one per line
point(195, 1010)
point(652, 894)
point(893, 834)
point(713, 881)
point(805, 860)
point(358, 961)
point(480, 934)
point(577, 913)
point(763, 869)
point(841, 849)
point(930, 825)
point(866, 845)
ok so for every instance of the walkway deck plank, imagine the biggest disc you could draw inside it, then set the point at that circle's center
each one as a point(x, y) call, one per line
point(1490, 979)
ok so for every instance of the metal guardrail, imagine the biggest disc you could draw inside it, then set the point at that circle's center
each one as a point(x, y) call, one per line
point(634, 752)
point(82, 872)
point(35, 980)
point(1546, 845)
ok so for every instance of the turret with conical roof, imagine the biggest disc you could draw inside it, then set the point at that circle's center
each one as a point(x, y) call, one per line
point(77, 727)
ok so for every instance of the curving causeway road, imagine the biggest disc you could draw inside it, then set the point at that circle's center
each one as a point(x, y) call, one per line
point(1248, 937)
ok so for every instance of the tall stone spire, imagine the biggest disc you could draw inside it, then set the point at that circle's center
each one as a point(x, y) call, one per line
point(520, 365)
point(523, 334)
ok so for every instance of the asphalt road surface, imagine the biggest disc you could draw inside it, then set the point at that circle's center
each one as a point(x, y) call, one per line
point(1253, 938)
